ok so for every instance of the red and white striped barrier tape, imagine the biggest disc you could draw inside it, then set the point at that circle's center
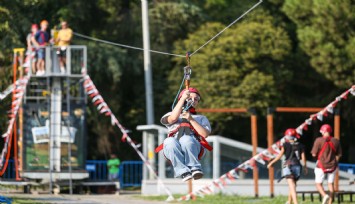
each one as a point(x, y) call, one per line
point(20, 90)
point(8, 90)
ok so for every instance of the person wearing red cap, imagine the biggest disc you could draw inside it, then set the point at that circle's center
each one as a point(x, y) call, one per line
point(328, 151)
point(30, 53)
point(41, 39)
point(186, 143)
point(292, 167)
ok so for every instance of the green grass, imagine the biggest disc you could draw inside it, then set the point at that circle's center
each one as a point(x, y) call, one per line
point(227, 199)
point(26, 201)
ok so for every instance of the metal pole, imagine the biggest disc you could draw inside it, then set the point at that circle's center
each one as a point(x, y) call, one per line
point(16, 59)
point(161, 162)
point(216, 159)
point(145, 153)
point(270, 140)
point(69, 139)
point(50, 138)
point(147, 65)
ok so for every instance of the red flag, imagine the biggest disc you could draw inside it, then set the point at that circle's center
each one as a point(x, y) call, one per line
point(97, 102)
point(124, 137)
point(345, 95)
point(222, 181)
point(229, 175)
point(334, 104)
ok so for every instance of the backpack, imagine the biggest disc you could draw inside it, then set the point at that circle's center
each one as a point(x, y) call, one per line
point(324, 147)
point(295, 154)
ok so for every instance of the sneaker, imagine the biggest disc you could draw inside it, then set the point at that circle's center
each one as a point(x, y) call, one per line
point(325, 199)
point(62, 70)
point(186, 176)
point(197, 174)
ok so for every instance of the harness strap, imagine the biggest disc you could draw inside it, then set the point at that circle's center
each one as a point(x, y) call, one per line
point(295, 148)
point(183, 126)
point(324, 147)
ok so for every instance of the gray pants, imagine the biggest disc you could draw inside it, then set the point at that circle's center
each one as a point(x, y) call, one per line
point(183, 153)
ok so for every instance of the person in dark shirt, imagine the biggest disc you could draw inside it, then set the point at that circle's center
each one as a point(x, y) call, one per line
point(328, 151)
point(292, 167)
point(40, 40)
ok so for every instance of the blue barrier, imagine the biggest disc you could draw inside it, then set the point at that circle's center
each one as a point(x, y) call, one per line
point(350, 168)
point(97, 170)
point(131, 172)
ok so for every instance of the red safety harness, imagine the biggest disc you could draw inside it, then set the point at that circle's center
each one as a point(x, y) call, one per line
point(201, 139)
point(324, 147)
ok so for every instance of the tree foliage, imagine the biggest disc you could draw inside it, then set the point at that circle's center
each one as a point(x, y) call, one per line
point(326, 33)
point(238, 68)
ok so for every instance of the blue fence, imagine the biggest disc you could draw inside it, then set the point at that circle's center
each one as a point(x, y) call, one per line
point(131, 172)
point(97, 170)
point(350, 168)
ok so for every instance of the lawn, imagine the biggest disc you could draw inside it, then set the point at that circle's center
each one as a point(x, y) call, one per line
point(26, 201)
point(227, 199)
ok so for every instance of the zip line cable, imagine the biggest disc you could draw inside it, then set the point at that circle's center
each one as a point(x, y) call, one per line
point(167, 53)
point(123, 45)
point(236, 20)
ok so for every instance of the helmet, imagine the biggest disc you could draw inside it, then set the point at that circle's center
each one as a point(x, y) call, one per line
point(326, 128)
point(291, 132)
point(44, 22)
point(192, 90)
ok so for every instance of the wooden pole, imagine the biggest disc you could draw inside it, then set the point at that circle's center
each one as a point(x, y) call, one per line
point(337, 136)
point(270, 141)
point(254, 140)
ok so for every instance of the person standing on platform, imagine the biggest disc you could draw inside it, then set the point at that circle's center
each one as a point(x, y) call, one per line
point(63, 40)
point(30, 53)
point(40, 40)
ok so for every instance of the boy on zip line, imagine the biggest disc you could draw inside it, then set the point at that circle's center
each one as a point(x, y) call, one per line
point(186, 143)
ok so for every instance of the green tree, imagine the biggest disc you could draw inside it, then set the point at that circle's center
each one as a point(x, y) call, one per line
point(326, 34)
point(241, 68)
